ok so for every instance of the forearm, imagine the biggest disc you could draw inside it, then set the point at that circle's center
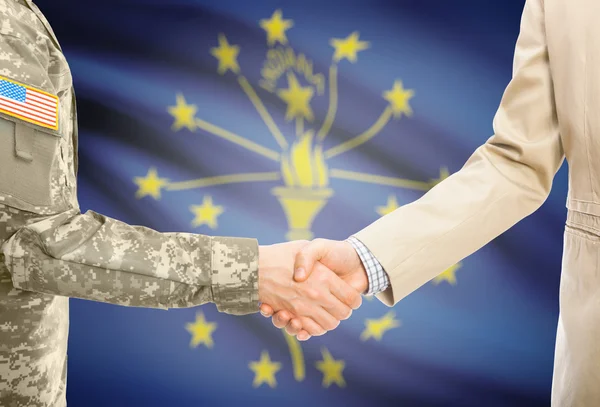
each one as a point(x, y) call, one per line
point(459, 216)
point(505, 180)
point(94, 257)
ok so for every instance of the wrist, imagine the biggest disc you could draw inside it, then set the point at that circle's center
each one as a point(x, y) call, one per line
point(262, 257)
point(359, 279)
point(363, 279)
point(234, 274)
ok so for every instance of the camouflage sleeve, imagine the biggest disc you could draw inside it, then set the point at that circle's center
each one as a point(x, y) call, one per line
point(90, 256)
point(94, 257)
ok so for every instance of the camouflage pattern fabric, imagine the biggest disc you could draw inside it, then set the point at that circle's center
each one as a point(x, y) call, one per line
point(51, 251)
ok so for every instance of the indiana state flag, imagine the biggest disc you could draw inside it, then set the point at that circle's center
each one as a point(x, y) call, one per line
point(295, 120)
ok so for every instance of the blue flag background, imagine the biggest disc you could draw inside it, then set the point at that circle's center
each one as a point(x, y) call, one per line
point(188, 110)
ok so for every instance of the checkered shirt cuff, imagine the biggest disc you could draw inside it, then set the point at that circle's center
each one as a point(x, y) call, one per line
point(378, 278)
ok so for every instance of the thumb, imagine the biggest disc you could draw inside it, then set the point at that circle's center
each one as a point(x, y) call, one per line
point(307, 257)
point(266, 310)
point(360, 283)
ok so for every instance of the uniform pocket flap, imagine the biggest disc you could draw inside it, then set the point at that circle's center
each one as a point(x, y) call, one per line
point(29, 156)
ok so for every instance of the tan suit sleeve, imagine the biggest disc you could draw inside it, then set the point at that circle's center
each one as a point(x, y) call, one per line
point(505, 180)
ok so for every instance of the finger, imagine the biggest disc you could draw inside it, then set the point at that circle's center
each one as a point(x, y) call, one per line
point(266, 310)
point(294, 327)
point(337, 309)
point(324, 318)
point(311, 327)
point(281, 319)
point(307, 257)
point(334, 307)
point(345, 293)
point(303, 336)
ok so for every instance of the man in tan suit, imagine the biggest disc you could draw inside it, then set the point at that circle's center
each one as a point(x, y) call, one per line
point(550, 109)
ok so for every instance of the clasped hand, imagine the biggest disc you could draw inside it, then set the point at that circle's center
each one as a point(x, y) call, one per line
point(309, 287)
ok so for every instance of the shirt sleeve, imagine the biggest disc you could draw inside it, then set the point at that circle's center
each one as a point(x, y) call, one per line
point(376, 275)
point(94, 257)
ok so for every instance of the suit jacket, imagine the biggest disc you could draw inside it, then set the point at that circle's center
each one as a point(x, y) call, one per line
point(550, 110)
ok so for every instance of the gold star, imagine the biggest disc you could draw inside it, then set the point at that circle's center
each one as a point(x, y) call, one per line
point(391, 206)
point(348, 47)
point(264, 370)
point(398, 98)
point(332, 369)
point(206, 214)
point(226, 55)
point(448, 275)
point(184, 114)
point(297, 99)
point(375, 328)
point(151, 184)
point(275, 28)
point(443, 175)
point(201, 331)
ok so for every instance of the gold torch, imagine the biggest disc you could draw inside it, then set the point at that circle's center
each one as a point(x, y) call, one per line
point(305, 192)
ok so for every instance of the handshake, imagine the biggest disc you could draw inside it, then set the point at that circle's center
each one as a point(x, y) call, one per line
point(309, 287)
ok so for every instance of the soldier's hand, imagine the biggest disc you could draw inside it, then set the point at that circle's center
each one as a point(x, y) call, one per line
point(338, 256)
point(317, 304)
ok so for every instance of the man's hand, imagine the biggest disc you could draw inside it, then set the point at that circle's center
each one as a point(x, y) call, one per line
point(338, 256)
point(318, 303)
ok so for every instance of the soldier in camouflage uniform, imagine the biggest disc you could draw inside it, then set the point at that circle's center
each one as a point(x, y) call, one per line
point(51, 251)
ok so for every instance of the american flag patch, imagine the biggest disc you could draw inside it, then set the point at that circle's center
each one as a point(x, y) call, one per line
point(29, 104)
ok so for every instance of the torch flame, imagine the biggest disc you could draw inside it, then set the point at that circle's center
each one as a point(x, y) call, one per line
point(304, 166)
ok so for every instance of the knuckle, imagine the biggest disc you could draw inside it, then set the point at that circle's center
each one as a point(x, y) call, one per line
point(312, 293)
point(351, 298)
point(298, 306)
point(314, 331)
point(319, 241)
point(332, 325)
point(357, 302)
point(342, 313)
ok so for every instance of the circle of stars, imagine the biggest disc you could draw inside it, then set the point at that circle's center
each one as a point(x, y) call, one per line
point(298, 99)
